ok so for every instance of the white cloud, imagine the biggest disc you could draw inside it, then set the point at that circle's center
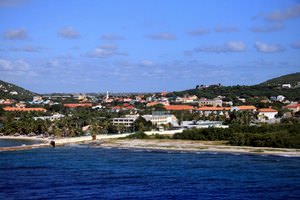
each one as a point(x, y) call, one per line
point(147, 63)
point(104, 51)
point(231, 46)
point(284, 14)
point(68, 32)
point(111, 37)
point(15, 66)
point(296, 45)
point(11, 3)
point(16, 34)
point(27, 48)
point(274, 27)
point(267, 48)
point(228, 29)
point(198, 32)
point(162, 36)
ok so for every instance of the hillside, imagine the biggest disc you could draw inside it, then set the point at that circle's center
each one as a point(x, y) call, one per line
point(11, 91)
point(293, 79)
point(268, 88)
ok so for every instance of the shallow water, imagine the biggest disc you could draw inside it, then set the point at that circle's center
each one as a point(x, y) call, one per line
point(16, 142)
point(86, 173)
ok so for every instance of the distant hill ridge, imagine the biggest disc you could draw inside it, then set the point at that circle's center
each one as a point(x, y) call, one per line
point(12, 91)
point(268, 88)
point(292, 79)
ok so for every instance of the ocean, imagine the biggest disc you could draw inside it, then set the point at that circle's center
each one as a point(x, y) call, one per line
point(84, 172)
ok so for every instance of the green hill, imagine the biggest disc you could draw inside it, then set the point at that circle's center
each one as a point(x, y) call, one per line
point(11, 91)
point(292, 79)
point(268, 88)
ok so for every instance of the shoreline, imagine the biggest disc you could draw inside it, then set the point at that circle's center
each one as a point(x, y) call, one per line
point(116, 141)
point(192, 146)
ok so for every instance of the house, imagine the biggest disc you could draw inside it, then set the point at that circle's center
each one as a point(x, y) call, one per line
point(76, 105)
point(206, 111)
point(244, 108)
point(179, 107)
point(157, 103)
point(210, 102)
point(286, 85)
point(293, 107)
point(14, 109)
point(267, 113)
point(280, 98)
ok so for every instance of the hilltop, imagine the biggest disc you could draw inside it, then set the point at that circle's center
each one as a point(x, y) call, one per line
point(268, 88)
point(11, 91)
point(292, 79)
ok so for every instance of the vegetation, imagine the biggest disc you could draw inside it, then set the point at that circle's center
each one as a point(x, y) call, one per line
point(22, 94)
point(231, 92)
point(278, 135)
point(293, 79)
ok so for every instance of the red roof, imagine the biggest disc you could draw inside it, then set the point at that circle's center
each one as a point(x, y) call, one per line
point(75, 105)
point(179, 107)
point(206, 108)
point(246, 107)
point(292, 106)
point(25, 109)
point(267, 110)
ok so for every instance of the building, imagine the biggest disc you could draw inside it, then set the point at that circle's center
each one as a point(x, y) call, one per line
point(206, 111)
point(126, 121)
point(293, 107)
point(179, 108)
point(203, 124)
point(51, 118)
point(244, 108)
point(76, 105)
point(286, 85)
point(162, 119)
point(14, 109)
point(267, 113)
point(210, 102)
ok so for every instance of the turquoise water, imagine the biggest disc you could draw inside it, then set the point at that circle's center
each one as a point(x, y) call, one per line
point(84, 172)
point(16, 142)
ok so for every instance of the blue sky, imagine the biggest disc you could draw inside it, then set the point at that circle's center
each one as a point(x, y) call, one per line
point(146, 46)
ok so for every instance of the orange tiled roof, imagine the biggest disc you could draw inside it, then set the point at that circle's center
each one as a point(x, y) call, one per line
point(75, 105)
point(179, 107)
point(206, 108)
point(292, 106)
point(24, 109)
point(246, 107)
point(153, 104)
point(267, 110)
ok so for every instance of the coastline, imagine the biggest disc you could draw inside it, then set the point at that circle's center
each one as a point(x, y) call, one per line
point(192, 146)
point(116, 141)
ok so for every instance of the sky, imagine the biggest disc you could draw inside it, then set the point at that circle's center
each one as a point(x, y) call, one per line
point(146, 46)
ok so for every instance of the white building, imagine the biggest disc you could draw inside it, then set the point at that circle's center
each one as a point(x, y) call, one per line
point(203, 124)
point(210, 102)
point(126, 121)
point(161, 119)
point(267, 113)
point(286, 85)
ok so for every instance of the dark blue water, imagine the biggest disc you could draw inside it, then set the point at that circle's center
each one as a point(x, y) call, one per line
point(16, 142)
point(96, 173)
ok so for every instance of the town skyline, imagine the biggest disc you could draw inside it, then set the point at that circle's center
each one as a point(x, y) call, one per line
point(133, 46)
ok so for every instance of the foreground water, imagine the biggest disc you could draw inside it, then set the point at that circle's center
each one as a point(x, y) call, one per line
point(16, 142)
point(95, 173)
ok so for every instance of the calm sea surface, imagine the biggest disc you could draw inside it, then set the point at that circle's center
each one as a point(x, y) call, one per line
point(14, 142)
point(82, 172)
